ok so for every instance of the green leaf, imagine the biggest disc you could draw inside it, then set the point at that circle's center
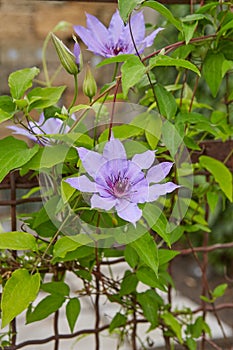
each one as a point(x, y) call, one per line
point(63, 246)
point(219, 290)
point(191, 343)
point(79, 108)
point(21, 80)
point(118, 320)
point(132, 72)
point(126, 7)
point(220, 172)
point(73, 308)
point(116, 59)
point(212, 199)
point(120, 132)
point(47, 157)
point(149, 302)
point(44, 97)
point(69, 244)
point(60, 288)
point(46, 307)
point(225, 28)
point(20, 290)
point(212, 70)
point(166, 255)
point(4, 116)
point(7, 108)
point(194, 17)
point(14, 154)
point(131, 256)
point(164, 12)
point(188, 29)
point(166, 102)
point(7, 104)
point(157, 221)
point(153, 126)
point(147, 250)
point(171, 138)
point(226, 66)
point(17, 241)
point(148, 277)
point(172, 322)
point(166, 61)
point(128, 284)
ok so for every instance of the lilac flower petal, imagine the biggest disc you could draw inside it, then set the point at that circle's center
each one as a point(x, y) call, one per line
point(114, 149)
point(158, 172)
point(41, 119)
point(51, 126)
point(138, 27)
point(89, 40)
point(149, 39)
point(81, 183)
point(134, 173)
point(21, 131)
point(98, 30)
point(116, 28)
point(139, 193)
point(77, 53)
point(144, 160)
point(92, 161)
point(111, 170)
point(102, 203)
point(158, 190)
point(128, 211)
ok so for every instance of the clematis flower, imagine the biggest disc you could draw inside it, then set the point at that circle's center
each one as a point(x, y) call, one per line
point(40, 128)
point(121, 183)
point(117, 38)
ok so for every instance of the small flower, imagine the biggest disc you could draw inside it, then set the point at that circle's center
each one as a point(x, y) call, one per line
point(70, 61)
point(40, 128)
point(117, 38)
point(119, 182)
point(89, 84)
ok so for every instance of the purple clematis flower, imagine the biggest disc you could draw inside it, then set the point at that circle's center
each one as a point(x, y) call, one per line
point(40, 128)
point(117, 38)
point(119, 182)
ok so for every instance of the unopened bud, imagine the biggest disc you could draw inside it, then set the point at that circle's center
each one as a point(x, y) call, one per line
point(89, 84)
point(70, 61)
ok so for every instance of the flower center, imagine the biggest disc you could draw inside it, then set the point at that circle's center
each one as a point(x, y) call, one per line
point(121, 187)
point(117, 50)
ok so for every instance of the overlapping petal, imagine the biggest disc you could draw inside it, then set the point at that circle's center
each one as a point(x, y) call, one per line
point(144, 160)
point(117, 38)
point(82, 183)
point(21, 131)
point(157, 190)
point(149, 39)
point(158, 172)
point(114, 149)
point(92, 161)
point(116, 28)
point(102, 203)
point(128, 211)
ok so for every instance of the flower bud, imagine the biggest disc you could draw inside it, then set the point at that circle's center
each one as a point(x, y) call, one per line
point(70, 61)
point(89, 84)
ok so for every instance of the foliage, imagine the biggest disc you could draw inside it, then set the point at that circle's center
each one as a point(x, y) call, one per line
point(179, 96)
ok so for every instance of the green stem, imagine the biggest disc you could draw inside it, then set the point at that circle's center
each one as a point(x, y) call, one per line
point(75, 91)
point(44, 63)
point(105, 98)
